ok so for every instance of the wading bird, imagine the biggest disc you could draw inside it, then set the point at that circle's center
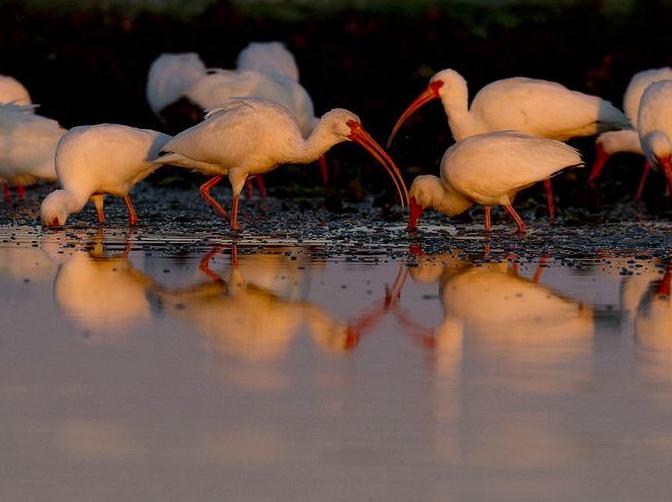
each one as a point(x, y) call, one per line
point(655, 126)
point(27, 147)
point(489, 169)
point(13, 91)
point(271, 58)
point(92, 161)
point(253, 136)
point(536, 107)
point(627, 141)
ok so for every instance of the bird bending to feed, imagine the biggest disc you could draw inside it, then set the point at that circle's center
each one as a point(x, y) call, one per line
point(95, 160)
point(13, 91)
point(489, 169)
point(536, 107)
point(253, 136)
point(627, 141)
point(655, 126)
point(27, 147)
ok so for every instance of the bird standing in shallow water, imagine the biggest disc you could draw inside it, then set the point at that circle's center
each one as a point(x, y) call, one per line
point(27, 147)
point(536, 107)
point(489, 169)
point(92, 161)
point(253, 136)
point(611, 142)
point(655, 126)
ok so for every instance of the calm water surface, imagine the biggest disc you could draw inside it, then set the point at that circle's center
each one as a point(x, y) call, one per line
point(139, 372)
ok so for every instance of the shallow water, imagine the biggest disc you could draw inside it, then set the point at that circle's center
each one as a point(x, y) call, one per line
point(151, 367)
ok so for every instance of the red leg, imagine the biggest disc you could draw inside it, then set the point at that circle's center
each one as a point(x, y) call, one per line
point(324, 170)
point(5, 193)
point(205, 193)
point(132, 215)
point(234, 213)
point(261, 185)
point(248, 188)
point(540, 269)
point(549, 198)
point(204, 265)
point(642, 182)
point(488, 224)
point(667, 169)
point(600, 160)
point(20, 192)
point(98, 201)
point(664, 288)
point(519, 221)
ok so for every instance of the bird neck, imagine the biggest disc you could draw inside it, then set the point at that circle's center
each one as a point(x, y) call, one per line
point(313, 147)
point(75, 201)
point(456, 105)
point(450, 202)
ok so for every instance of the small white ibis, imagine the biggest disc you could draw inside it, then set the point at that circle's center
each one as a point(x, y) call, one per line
point(489, 169)
point(655, 126)
point(536, 107)
point(253, 136)
point(27, 147)
point(92, 161)
point(13, 91)
point(627, 141)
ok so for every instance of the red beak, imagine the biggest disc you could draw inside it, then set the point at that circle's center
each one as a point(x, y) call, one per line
point(430, 94)
point(600, 159)
point(666, 165)
point(55, 222)
point(416, 212)
point(359, 135)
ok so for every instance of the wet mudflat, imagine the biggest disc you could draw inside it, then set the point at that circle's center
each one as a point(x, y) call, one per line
point(330, 356)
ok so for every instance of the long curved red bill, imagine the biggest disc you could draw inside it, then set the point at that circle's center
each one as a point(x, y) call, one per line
point(414, 216)
point(359, 135)
point(430, 94)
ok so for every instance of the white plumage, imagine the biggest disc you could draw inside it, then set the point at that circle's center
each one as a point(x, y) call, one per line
point(489, 169)
point(535, 107)
point(270, 58)
point(101, 159)
point(27, 146)
point(170, 76)
point(13, 91)
point(253, 136)
point(627, 141)
point(655, 125)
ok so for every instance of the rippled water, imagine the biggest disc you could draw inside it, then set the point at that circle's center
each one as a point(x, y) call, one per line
point(135, 371)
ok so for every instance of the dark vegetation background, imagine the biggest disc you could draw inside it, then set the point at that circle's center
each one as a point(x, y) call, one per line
point(89, 65)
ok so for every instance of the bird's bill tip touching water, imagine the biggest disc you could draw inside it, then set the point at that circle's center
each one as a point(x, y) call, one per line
point(429, 94)
point(359, 135)
point(416, 211)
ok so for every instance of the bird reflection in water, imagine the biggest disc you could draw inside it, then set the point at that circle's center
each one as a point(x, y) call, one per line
point(105, 295)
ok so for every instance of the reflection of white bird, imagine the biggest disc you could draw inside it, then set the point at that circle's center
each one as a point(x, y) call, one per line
point(12, 91)
point(102, 293)
point(627, 141)
point(655, 126)
point(489, 169)
point(536, 107)
point(253, 136)
point(27, 147)
point(95, 160)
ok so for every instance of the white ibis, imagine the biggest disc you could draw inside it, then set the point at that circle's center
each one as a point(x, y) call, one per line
point(92, 161)
point(271, 58)
point(13, 91)
point(169, 78)
point(27, 147)
point(535, 107)
point(654, 125)
point(489, 169)
point(627, 141)
point(253, 136)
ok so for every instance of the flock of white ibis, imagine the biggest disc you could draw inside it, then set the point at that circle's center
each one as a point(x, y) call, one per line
point(258, 116)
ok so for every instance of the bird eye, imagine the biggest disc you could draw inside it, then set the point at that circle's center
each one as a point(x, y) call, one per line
point(353, 124)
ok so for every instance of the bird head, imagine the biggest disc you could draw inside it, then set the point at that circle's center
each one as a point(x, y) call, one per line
point(424, 191)
point(54, 210)
point(344, 125)
point(442, 84)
